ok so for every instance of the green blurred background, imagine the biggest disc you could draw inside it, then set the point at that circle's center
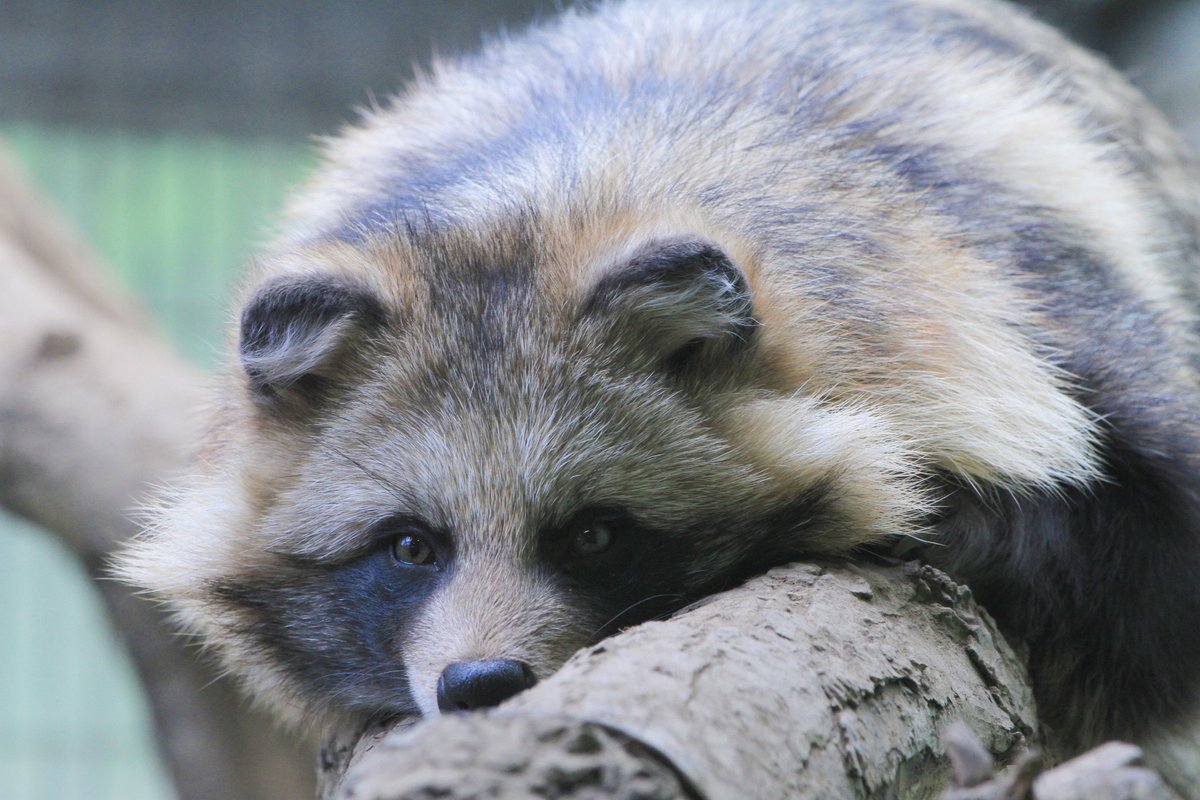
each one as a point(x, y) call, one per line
point(169, 132)
point(176, 216)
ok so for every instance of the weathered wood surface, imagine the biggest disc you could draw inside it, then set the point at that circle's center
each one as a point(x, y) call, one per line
point(813, 681)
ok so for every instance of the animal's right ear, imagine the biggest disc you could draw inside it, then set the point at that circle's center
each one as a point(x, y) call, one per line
point(296, 329)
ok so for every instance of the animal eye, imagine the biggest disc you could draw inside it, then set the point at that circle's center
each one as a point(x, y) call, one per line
point(591, 538)
point(412, 550)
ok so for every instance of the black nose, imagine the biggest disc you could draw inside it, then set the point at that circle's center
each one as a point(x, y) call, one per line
point(468, 685)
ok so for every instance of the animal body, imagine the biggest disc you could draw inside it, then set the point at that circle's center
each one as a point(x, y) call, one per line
point(616, 313)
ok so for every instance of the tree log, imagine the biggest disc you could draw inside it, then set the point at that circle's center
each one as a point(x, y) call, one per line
point(813, 681)
point(94, 409)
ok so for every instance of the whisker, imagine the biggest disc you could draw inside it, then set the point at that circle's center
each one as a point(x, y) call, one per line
point(349, 680)
point(631, 607)
point(370, 473)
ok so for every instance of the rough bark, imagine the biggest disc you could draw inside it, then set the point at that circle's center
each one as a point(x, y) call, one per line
point(94, 409)
point(813, 681)
point(1112, 771)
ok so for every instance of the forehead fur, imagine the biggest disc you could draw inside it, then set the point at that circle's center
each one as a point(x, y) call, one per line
point(496, 447)
point(494, 406)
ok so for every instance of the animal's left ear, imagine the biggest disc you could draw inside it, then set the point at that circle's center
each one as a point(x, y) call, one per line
point(680, 299)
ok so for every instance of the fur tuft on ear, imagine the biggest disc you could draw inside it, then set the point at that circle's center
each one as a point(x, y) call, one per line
point(296, 326)
point(681, 297)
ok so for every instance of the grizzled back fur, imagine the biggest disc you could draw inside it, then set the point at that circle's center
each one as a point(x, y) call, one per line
point(616, 313)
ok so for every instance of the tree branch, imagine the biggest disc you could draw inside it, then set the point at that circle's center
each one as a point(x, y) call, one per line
point(94, 408)
point(812, 681)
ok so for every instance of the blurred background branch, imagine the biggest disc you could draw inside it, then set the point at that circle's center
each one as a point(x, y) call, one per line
point(94, 408)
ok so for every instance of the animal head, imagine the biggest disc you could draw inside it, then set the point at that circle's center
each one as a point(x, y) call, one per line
point(439, 468)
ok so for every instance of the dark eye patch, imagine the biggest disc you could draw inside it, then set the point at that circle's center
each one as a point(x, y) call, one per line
point(589, 539)
point(639, 575)
point(335, 628)
point(647, 572)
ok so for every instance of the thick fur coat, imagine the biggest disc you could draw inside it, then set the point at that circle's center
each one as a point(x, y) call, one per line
point(615, 313)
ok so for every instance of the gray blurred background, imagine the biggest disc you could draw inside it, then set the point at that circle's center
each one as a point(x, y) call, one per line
point(168, 131)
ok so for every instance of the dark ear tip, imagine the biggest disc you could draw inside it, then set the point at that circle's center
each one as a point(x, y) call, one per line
point(292, 324)
point(311, 301)
point(683, 297)
point(665, 263)
point(683, 257)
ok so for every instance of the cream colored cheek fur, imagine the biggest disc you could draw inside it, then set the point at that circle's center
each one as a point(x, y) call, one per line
point(874, 468)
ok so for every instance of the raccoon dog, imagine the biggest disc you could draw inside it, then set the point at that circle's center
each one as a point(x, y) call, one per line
point(614, 314)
